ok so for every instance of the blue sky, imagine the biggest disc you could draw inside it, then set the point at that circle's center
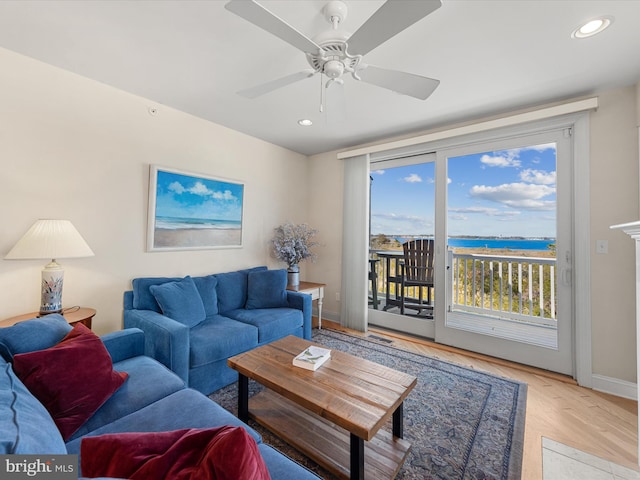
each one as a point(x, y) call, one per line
point(184, 196)
point(508, 192)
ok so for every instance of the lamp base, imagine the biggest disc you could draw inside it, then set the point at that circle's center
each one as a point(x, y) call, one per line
point(51, 297)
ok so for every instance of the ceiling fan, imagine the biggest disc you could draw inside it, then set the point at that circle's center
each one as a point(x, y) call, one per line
point(335, 52)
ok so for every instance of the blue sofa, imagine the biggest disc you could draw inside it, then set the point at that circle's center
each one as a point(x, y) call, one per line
point(193, 325)
point(152, 399)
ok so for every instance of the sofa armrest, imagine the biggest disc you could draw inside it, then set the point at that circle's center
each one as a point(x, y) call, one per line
point(124, 344)
point(166, 340)
point(302, 301)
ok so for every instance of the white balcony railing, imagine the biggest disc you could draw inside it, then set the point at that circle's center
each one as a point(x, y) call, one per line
point(516, 288)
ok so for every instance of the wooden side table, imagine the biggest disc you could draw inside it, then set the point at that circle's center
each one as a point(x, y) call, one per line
point(72, 315)
point(316, 290)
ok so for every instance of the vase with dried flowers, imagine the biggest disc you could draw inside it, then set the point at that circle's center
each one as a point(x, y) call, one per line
point(291, 244)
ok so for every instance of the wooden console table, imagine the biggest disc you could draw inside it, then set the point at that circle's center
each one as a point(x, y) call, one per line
point(72, 315)
point(316, 290)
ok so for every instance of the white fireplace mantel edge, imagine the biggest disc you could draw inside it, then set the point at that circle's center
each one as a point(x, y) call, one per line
point(632, 229)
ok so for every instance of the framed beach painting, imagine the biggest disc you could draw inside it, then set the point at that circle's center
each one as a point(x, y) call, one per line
point(191, 211)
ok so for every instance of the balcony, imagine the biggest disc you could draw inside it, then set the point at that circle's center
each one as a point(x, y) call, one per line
point(486, 291)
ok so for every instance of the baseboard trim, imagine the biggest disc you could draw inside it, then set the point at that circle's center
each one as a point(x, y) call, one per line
point(615, 386)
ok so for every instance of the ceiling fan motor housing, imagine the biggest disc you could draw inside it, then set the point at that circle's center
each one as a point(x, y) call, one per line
point(333, 60)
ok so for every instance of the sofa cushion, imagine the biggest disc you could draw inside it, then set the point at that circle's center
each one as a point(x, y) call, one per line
point(219, 337)
point(207, 288)
point(30, 335)
point(143, 299)
point(185, 408)
point(272, 323)
point(25, 424)
point(223, 453)
point(148, 382)
point(71, 379)
point(180, 301)
point(267, 289)
point(232, 289)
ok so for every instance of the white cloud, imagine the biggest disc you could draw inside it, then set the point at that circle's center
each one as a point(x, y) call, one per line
point(399, 223)
point(413, 178)
point(201, 189)
point(517, 195)
point(177, 188)
point(539, 177)
point(493, 212)
point(501, 161)
point(510, 158)
point(226, 195)
point(378, 172)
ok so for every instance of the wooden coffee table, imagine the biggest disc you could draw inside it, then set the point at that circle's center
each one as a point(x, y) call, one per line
point(332, 415)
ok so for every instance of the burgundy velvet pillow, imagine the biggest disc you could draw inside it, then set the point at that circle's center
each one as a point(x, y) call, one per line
point(71, 379)
point(222, 453)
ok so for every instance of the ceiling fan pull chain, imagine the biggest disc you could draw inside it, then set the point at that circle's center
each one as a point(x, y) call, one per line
point(321, 94)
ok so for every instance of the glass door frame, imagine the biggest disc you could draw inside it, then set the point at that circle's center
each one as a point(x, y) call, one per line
point(452, 332)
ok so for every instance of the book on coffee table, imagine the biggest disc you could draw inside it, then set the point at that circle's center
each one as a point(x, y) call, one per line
point(312, 357)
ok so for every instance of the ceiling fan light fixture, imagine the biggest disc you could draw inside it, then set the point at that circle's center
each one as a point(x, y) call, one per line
point(592, 27)
point(305, 122)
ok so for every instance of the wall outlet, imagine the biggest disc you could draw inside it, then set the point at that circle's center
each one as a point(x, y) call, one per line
point(337, 296)
point(602, 246)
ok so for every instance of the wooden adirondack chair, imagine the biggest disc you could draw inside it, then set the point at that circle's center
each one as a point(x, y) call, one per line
point(417, 271)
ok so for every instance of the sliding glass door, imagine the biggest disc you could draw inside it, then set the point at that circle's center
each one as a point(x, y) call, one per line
point(402, 208)
point(509, 249)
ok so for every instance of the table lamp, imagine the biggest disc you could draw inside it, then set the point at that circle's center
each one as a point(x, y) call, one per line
point(50, 239)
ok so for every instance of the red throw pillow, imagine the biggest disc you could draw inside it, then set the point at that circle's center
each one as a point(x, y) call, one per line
point(222, 453)
point(71, 379)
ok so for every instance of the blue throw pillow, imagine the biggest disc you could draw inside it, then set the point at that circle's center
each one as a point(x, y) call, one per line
point(232, 289)
point(207, 288)
point(180, 301)
point(267, 289)
point(34, 334)
point(143, 299)
point(25, 424)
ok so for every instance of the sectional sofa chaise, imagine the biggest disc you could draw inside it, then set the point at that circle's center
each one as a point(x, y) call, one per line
point(64, 390)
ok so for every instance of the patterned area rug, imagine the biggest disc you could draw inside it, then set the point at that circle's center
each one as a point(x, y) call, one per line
point(462, 424)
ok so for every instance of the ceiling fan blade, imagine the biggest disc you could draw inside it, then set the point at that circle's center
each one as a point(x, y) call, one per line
point(390, 19)
point(258, 15)
point(267, 87)
point(406, 83)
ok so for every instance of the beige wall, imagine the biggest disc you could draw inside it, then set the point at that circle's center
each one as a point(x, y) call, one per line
point(75, 149)
point(614, 199)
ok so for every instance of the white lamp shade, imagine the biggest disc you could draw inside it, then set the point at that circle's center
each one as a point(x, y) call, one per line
point(50, 239)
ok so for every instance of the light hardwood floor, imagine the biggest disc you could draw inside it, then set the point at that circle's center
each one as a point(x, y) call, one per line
point(597, 423)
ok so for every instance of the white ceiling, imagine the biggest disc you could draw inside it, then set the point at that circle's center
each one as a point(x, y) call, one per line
point(491, 56)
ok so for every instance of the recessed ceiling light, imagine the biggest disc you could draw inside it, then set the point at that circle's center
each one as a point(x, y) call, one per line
point(592, 27)
point(305, 122)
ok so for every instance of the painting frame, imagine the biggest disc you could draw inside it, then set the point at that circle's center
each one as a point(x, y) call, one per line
point(193, 211)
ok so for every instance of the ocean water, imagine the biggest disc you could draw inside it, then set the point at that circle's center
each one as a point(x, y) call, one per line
point(177, 223)
point(498, 243)
point(503, 243)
